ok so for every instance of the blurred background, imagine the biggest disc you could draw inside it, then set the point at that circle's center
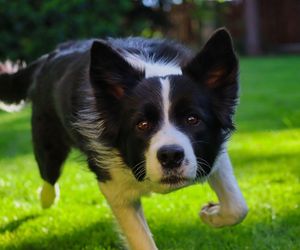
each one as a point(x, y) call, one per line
point(30, 28)
point(265, 149)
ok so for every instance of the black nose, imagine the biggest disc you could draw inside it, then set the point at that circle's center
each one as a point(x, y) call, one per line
point(170, 156)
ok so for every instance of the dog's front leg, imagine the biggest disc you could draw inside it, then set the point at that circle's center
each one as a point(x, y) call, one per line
point(232, 207)
point(131, 220)
point(130, 216)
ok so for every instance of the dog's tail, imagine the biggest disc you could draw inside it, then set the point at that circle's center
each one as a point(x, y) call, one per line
point(15, 82)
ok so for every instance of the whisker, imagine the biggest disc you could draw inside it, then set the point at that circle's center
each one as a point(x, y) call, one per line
point(200, 163)
point(203, 163)
point(138, 164)
point(139, 171)
point(202, 160)
point(201, 169)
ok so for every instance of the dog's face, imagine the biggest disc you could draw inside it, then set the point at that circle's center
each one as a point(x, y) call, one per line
point(168, 127)
point(168, 132)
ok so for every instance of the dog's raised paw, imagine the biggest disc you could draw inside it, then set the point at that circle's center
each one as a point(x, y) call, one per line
point(48, 194)
point(212, 214)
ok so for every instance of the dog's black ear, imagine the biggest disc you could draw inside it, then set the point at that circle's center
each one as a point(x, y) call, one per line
point(110, 73)
point(216, 67)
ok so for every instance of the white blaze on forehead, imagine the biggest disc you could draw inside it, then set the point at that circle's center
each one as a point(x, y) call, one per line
point(152, 69)
point(165, 90)
point(161, 70)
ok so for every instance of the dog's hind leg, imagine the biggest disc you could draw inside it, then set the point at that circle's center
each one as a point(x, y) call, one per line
point(48, 194)
point(50, 149)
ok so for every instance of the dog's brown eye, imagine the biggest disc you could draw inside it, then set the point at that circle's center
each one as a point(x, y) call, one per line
point(144, 126)
point(193, 120)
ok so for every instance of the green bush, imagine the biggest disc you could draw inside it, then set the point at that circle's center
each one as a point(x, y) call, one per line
point(29, 28)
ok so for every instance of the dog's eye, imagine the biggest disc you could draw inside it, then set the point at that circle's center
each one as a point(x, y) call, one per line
point(144, 126)
point(193, 120)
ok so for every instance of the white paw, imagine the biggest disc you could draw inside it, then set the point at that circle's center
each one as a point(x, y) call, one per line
point(48, 194)
point(214, 215)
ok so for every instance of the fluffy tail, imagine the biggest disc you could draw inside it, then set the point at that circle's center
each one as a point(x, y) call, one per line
point(15, 81)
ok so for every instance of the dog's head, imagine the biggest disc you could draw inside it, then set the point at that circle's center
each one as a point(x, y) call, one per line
point(168, 122)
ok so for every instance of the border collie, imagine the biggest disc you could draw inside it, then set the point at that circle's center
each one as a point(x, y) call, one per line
point(149, 115)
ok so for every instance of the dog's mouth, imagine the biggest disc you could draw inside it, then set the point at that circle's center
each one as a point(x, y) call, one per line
point(174, 180)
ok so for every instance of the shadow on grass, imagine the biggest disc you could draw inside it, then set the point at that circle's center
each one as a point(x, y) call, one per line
point(267, 233)
point(14, 225)
point(276, 233)
point(100, 235)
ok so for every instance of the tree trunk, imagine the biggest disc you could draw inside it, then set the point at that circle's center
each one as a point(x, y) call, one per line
point(253, 41)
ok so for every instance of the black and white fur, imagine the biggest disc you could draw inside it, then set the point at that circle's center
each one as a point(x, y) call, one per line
point(150, 116)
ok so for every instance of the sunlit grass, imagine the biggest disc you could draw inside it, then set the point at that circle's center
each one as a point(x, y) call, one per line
point(265, 151)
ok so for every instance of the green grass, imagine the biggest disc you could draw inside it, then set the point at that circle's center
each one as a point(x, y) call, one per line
point(265, 151)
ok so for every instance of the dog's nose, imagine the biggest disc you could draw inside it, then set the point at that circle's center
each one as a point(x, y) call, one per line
point(170, 156)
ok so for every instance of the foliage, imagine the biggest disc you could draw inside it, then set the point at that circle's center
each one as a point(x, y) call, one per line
point(30, 28)
point(265, 152)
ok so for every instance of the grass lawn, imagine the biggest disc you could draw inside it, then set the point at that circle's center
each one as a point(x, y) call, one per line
point(265, 151)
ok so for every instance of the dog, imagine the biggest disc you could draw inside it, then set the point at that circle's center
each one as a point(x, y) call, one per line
point(149, 115)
